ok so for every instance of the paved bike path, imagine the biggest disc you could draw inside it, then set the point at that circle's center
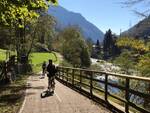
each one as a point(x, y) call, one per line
point(64, 100)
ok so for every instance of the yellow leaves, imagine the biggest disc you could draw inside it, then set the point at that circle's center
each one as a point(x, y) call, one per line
point(33, 4)
point(145, 59)
point(144, 65)
point(12, 12)
point(2, 17)
point(136, 44)
point(21, 26)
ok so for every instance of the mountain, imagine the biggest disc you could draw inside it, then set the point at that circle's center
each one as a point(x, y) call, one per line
point(67, 18)
point(141, 29)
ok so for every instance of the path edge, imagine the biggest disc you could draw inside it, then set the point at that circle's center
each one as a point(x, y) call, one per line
point(25, 98)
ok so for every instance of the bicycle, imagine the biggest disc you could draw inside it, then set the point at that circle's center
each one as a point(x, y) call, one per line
point(50, 89)
point(51, 84)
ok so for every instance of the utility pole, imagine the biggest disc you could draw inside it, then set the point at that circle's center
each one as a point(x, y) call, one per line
point(120, 32)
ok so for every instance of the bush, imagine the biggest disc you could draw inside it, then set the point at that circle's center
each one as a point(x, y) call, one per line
point(65, 63)
point(40, 47)
point(95, 67)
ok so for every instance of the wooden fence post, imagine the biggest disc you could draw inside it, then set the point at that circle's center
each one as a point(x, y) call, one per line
point(91, 84)
point(60, 73)
point(106, 87)
point(72, 76)
point(80, 79)
point(63, 74)
point(59, 69)
point(127, 95)
point(67, 74)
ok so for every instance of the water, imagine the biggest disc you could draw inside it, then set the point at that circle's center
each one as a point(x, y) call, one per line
point(112, 80)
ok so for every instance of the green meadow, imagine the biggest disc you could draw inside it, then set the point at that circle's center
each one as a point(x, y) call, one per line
point(36, 58)
point(39, 58)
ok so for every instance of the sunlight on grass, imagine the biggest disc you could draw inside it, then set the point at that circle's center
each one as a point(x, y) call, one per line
point(2, 54)
point(38, 58)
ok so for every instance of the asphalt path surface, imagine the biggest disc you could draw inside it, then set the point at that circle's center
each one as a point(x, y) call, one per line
point(64, 100)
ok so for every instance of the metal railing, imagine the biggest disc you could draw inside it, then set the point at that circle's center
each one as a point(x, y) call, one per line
point(97, 84)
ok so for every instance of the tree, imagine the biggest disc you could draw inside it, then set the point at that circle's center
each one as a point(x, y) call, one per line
point(89, 43)
point(140, 47)
point(74, 48)
point(45, 32)
point(144, 65)
point(98, 46)
point(145, 10)
point(106, 43)
point(135, 44)
point(125, 61)
point(17, 15)
point(18, 12)
point(97, 43)
point(84, 55)
point(115, 48)
point(140, 54)
point(97, 53)
point(110, 49)
point(5, 38)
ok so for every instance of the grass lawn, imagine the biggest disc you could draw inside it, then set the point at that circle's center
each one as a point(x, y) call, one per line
point(11, 96)
point(38, 58)
point(2, 54)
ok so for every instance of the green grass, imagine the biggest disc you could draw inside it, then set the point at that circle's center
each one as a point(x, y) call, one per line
point(11, 96)
point(2, 50)
point(2, 54)
point(38, 58)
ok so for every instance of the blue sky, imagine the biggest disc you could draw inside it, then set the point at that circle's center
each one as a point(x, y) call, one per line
point(104, 14)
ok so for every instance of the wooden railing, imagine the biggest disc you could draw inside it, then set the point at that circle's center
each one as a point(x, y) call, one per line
point(89, 81)
point(7, 73)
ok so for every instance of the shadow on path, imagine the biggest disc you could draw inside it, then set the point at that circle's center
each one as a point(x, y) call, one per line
point(46, 93)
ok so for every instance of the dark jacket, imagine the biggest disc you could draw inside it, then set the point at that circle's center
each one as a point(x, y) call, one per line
point(51, 70)
point(44, 65)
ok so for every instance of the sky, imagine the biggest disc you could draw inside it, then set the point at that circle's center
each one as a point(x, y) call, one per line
point(104, 14)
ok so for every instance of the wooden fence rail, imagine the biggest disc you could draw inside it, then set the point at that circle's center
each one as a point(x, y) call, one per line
point(88, 81)
point(7, 73)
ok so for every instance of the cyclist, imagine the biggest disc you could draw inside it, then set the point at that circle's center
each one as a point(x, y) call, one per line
point(51, 76)
point(43, 68)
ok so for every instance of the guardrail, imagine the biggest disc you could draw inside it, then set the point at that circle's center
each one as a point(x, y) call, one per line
point(97, 84)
